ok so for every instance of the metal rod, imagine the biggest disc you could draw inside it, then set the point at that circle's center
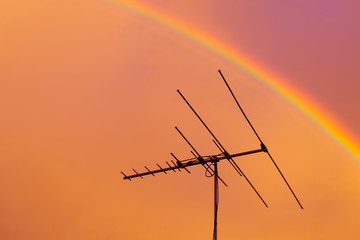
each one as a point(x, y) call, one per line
point(209, 159)
point(125, 176)
point(222, 181)
point(208, 168)
point(175, 165)
point(199, 117)
point(216, 200)
point(239, 106)
point(193, 154)
point(162, 169)
point(201, 160)
point(179, 164)
point(217, 145)
point(257, 193)
point(262, 143)
point(285, 180)
point(170, 166)
point(177, 129)
point(149, 171)
point(231, 161)
point(137, 173)
point(207, 165)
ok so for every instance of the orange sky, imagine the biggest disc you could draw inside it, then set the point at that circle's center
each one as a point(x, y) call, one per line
point(88, 90)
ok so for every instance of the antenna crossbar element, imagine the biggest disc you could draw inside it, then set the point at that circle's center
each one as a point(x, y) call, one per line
point(207, 159)
point(231, 161)
point(149, 170)
point(162, 169)
point(178, 163)
point(177, 129)
point(170, 166)
point(261, 142)
point(226, 154)
point(175, 165)
point(200, 158)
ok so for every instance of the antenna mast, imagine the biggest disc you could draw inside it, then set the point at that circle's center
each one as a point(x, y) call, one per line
point(210, 162)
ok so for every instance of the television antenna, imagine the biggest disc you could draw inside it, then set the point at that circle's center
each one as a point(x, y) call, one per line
point(209, 162)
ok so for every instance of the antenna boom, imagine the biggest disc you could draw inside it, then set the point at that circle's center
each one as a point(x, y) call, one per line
point(207, 159)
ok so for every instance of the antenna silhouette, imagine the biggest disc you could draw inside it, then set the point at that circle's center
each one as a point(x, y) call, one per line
point(209, 162)
point(261, 142)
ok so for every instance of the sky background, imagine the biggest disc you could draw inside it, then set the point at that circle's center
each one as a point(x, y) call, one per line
point(88, 89)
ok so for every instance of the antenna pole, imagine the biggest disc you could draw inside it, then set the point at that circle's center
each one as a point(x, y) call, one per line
point(216, 199)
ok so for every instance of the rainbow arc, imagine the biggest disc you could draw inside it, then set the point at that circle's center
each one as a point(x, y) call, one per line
point(240, 62)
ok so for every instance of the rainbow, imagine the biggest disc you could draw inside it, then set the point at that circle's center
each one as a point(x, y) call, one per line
point(239, 61)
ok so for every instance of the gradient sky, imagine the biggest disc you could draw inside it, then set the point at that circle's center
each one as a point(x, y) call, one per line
point(88, 89)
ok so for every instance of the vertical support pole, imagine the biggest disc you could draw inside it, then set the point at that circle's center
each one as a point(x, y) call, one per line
point(216, 199)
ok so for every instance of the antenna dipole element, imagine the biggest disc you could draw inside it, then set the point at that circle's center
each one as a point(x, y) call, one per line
point(261, 142)
point(226, 154)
